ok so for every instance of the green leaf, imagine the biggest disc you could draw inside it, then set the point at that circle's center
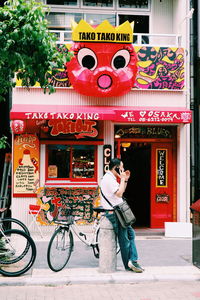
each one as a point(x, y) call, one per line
point(27, 46)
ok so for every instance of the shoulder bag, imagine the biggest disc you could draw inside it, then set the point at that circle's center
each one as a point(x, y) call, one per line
point(123, 212)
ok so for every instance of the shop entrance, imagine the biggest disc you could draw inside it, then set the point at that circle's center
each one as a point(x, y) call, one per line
point(150, 189)
point(137, 159)
point(149, 152)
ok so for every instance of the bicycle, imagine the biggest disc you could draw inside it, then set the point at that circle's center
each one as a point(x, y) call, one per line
point(11, 223)
point(17, 250)
point(61, 243)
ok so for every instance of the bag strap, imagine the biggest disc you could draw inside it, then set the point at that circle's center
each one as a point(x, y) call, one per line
point(106, 198)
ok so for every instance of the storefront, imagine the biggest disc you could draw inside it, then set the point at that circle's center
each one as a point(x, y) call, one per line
point(128, 102)
point(70, 150)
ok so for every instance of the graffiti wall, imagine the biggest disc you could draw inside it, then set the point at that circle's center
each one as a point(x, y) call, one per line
point(57, 203)
point(158, 68)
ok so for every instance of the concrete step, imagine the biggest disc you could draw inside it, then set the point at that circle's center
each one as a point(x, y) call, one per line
point(149, 231)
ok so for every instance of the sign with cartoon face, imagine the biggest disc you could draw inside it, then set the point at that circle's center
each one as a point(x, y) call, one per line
point(104, 62)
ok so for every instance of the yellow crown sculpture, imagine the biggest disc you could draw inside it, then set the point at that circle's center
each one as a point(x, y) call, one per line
point(103, 33)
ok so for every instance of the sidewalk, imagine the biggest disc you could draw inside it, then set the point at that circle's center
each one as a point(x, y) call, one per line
point(164, 259)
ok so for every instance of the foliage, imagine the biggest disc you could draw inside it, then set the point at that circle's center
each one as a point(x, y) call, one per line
point(27, 47)
point(3, 142)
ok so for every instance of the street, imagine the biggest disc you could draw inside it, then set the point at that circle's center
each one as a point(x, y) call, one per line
point(171, 290)
point(169, 275)
point(152, 251)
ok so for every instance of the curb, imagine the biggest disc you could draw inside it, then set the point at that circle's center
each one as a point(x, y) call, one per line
point(92, 276)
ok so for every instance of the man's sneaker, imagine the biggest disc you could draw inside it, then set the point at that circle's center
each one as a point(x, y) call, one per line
point(135, 267)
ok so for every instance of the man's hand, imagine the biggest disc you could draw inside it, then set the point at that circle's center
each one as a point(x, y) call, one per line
point(128, 174)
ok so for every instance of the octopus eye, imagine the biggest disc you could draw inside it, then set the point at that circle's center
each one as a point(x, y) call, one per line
point(121, 59)
point(87, 58)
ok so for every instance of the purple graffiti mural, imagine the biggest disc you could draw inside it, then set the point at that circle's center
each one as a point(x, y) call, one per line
point(160, 69)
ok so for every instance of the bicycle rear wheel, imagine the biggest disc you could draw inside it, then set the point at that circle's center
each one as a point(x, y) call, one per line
point(60, 248)
point(17, 254)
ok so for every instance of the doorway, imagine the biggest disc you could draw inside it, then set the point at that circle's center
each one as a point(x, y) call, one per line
point(137, 158)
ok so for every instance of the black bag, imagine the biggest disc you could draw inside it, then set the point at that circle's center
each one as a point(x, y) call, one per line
point(123, 212)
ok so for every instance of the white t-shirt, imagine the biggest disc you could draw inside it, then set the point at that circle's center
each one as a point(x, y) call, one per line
point(109, 186)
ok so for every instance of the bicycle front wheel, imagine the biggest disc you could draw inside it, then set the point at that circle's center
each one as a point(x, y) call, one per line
point(60, 248)
point(17, 252)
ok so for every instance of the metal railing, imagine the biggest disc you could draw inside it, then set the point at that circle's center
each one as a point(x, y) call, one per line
point(169, 40)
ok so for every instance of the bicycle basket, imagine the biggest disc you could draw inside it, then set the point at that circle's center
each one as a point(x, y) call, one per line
point(64, 216)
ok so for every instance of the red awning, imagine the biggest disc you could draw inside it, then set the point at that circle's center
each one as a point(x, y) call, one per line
point(59, 112)
point(153, 114)
point(120, 114)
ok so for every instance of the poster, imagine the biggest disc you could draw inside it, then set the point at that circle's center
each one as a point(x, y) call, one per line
point(26, 165)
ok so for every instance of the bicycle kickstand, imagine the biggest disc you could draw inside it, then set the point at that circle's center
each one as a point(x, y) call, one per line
point(95, 251)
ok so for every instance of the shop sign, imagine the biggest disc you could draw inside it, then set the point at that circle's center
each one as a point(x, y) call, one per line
point(125, 131)
point(161, 167)
point(163, 198)
point(26, 164)
point(154, 116)
point(61, 116)
point(79, 128)
point(107, 153)
point(104, 62)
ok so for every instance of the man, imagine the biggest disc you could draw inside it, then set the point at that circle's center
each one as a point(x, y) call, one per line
point(113, 191)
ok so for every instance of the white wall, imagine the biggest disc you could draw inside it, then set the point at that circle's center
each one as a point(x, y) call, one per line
point(161, 18)
point(70, 97)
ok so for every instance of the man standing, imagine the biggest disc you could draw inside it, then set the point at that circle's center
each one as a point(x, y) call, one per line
point(113, 191)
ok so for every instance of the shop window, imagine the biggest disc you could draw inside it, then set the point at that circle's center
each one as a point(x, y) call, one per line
point(100, 3)
point(134, 4)
point(62, 21)
point(96, 19)
point(73, 162)
point(62, 2)
point(141, 25)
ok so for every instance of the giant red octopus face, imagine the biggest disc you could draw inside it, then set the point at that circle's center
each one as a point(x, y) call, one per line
point(102, 70)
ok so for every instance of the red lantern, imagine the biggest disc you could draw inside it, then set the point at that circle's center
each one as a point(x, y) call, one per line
point(18, 126)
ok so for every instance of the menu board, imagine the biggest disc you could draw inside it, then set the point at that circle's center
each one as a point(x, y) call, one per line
point(26, 165)
point(161, 167)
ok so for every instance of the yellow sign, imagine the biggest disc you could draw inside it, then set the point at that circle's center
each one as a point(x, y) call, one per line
point(26, 164)
point(105, 32)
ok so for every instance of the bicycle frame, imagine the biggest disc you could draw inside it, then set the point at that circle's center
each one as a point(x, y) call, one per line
point(87, 238)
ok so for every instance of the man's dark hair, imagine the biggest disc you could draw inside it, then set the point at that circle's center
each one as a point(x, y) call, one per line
point(114, 162)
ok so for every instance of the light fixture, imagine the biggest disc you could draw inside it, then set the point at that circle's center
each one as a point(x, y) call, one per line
point(126, 145)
